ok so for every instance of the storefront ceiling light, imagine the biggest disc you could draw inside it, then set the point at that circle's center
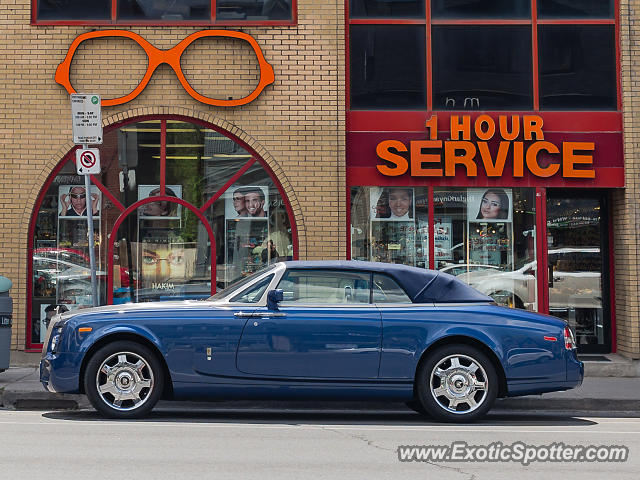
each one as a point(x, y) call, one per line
point(152, 130)
point(196, 157)
point(174, 145)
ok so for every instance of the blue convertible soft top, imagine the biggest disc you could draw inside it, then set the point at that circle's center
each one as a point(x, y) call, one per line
point(422, 286)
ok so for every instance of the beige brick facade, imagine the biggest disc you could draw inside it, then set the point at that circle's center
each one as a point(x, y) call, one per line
point(296, 124)
point(626, 208)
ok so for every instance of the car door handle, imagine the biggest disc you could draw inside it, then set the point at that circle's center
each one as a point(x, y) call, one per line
point(259, 314)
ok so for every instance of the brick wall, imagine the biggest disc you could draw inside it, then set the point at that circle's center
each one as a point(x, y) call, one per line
point(297, 124)
point(626, 211)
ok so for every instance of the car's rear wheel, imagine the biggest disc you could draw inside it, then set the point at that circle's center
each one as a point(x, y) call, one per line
point(457, 383)
point(124, 380)
point(416, 406)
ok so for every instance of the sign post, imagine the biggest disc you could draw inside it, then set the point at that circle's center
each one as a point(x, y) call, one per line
point(86, 116)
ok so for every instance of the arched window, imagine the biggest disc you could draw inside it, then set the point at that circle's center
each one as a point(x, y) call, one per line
point(181, 209)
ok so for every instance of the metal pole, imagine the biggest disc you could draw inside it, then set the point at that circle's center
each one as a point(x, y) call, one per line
point(92, 253)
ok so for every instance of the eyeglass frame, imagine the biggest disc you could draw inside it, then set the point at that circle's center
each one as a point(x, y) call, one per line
point(171, 57)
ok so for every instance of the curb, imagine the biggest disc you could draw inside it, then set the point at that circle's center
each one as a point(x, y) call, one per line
point(55, 401)
point(42, 401)
point(570, 404)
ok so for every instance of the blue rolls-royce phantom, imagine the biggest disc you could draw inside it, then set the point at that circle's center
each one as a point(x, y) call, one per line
point(323, 330)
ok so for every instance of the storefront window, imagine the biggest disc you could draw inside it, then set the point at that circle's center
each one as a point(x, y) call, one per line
point(386, 9)
point(577, 67)
point(255, 10)
point(201, 204)
point(575, 9)
point(165, 12)
point(462, 55)
point(480, 67)
point(481, 8)
point(60, 255)
point(388, 66)
point(74, 10)
point(390, 225)
point(577, 253)
point(251, 227)
point(486, 237)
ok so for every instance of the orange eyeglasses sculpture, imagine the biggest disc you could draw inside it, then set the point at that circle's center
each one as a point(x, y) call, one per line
point(171, 57)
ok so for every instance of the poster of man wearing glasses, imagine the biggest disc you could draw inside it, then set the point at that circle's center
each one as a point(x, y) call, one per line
point(73, 201)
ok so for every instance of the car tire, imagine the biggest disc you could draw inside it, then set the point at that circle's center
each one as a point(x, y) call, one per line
point(416, 406)
point(124, 379)
point(457, 383)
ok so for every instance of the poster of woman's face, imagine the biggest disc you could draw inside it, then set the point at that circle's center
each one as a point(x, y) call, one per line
point(489, 204)
point(247, 202)
point(392, 203)
point(161, 210)
point(73, 201)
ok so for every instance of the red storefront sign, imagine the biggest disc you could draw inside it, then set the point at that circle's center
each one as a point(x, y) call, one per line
point(504, 149)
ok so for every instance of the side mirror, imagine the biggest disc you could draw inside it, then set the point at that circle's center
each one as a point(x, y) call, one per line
point(273, 298)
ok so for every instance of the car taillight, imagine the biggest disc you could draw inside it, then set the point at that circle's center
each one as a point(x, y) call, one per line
point(569, 339)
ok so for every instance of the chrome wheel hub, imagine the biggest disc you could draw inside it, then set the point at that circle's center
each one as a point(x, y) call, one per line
point(458, 383)
point(124, 381)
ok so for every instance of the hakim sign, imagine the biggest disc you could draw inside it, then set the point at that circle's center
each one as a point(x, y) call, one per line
point(521, 141)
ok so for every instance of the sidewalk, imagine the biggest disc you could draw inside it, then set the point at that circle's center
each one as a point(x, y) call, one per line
point(20, 389)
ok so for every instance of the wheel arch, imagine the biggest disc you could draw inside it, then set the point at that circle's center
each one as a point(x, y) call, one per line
point(132, 337)
point(473, 342)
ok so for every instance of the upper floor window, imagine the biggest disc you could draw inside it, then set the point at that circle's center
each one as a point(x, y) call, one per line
point(494, 55)
point(131, 12)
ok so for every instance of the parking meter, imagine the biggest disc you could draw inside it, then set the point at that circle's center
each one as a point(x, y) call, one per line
point(6, 319)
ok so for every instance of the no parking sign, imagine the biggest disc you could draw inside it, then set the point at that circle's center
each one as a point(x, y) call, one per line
point(88, 161)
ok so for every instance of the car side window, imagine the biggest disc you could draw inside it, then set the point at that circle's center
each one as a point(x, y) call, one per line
point(325, 287)
point(254, 293)
point(386, 290)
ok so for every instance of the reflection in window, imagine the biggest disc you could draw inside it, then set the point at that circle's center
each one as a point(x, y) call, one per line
point(254, 293)
point(575, 231)
point(388, 66)
point(390, 225)
point(255, 10)
point(325, 287)
point(162, 250)
point(577, 67)
point(386, 9)
point(486, 237)
point(386, 290)
point(482, 67)
point(476, 9)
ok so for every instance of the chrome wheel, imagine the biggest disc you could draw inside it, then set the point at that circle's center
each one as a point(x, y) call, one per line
point(459, 384)
point(124, 381)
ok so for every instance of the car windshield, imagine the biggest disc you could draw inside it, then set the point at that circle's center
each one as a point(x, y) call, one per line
point(234, 287)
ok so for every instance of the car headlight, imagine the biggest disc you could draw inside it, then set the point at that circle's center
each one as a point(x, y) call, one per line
point(56, 334)
point(55, 339)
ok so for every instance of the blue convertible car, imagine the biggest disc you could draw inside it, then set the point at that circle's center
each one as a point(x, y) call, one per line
point(322, 330)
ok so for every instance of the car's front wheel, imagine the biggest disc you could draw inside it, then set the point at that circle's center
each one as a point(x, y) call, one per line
point(457, 383)
point(124, 380)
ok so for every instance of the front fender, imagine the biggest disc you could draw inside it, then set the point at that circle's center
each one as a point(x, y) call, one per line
point(82, 343)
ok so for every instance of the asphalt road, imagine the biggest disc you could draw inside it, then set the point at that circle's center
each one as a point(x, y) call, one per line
point(247, 444)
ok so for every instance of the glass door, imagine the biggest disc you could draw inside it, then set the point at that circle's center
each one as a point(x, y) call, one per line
point(578, 263)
